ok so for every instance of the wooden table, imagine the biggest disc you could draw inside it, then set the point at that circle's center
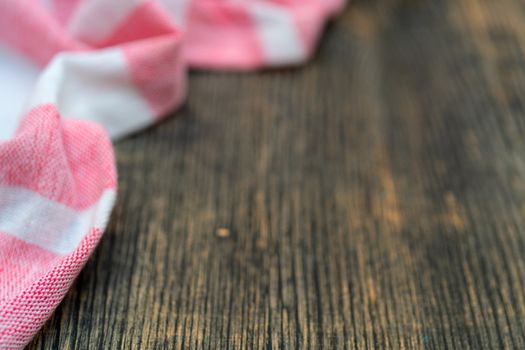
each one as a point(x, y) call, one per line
point(374, 198)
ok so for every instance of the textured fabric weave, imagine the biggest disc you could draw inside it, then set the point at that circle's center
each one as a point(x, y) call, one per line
point(75, 73)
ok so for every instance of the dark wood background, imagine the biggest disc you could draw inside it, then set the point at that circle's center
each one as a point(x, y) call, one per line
point(374, 198)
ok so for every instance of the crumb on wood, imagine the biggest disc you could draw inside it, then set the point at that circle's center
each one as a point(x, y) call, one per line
point(222, 232)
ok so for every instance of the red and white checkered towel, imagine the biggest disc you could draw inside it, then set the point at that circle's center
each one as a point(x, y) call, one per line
point(74, 71)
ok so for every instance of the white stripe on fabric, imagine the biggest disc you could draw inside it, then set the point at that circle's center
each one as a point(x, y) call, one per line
point(95, 20)
point(94, 86)
point(176, 9)
point(17, 78)
point(47, 4)
point(276, 30)
point(49, 224)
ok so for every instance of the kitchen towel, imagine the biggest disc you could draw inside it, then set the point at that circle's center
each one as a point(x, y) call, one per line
point(75, 73)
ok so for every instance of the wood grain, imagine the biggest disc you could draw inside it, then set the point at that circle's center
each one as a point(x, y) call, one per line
point(374, 198)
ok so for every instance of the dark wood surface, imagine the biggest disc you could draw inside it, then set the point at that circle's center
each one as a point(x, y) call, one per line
point(374, 198)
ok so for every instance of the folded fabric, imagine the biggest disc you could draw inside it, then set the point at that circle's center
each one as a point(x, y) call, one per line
point(75, 71)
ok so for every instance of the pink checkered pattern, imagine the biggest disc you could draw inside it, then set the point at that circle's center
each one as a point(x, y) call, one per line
point(100, 69)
